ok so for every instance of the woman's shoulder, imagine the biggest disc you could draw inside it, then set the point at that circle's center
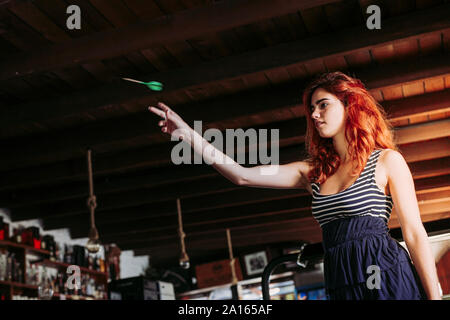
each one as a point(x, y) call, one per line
point(391, 160)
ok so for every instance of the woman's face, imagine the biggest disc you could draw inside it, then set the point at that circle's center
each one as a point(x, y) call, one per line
point(327, 109)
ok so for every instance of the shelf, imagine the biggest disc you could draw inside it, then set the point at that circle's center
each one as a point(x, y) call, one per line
point(73, 297)
point(10, 244)
point(18, 285)
point(241, 283)
point(57, 264)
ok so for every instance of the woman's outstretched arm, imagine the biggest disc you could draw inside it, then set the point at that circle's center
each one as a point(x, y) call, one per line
point(265, 176)
point(403, 193)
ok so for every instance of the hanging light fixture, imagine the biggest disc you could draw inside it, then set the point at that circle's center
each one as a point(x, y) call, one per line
point(234, 279)
point(184, 258)
point(93, 244)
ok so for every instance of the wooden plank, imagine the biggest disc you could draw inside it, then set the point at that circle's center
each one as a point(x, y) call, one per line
point(255, 102)
point(335, 63)
point(343, 14)
point(140, 220)
point(437, 116)
point(315, 20)
point(400, 7)
point(147, 9)
point(358, 58)
point(418, 119)
point(429, 150)
point(430, 130)
point(160, 58)
point(208, 219)
point(406, 48)
point(278, 76)
point(209, 47)
point(37, 19)
point(377, 95)
point(6, 48)
point(401, 122)
point(412, 89)
point(56, 11)
point(250, 40)
point(158, 193)
point(434, 84)
point(222, 70)
point(392, 93)
point(115, 11)
point(18, 33)
point(256, 80)
point(186, 24)
point(383, 54)
point(268, 31)
point(430, 43)
point(241, 237)
point(447, 81)
point(423, 4)
point(92, 17)
point(183, 53)
point(429, 168)
point(428, 103)
point(28, 12)
point(297, 72)
point(446, 39)
point(315, 67)
point(170, 6)
point(140, 63)
point(289, 27)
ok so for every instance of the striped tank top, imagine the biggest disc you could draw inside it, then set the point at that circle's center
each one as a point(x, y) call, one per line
point(362, 198)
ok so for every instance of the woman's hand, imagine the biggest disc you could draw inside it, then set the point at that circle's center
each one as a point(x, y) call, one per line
point(172, 122)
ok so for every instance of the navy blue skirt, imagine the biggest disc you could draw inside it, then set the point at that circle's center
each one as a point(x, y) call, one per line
point(363, 262)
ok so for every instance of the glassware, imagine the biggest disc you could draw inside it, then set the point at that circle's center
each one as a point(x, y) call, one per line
point(45, 288)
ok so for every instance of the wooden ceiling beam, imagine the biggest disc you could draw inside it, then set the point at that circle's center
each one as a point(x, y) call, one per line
point(225, 113)
point(75, 170)
point(160, 177)
point(288, 54)
point(251, 232)
point(182, 25)
point(137, 196)
point(243, 199)
point(206, 220)
point(168, 255)
point(72, 206)
point(305, 226)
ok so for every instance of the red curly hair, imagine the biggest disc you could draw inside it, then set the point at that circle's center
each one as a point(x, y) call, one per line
point(366, 127)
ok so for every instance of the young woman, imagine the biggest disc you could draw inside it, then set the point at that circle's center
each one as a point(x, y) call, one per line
point(355, 175)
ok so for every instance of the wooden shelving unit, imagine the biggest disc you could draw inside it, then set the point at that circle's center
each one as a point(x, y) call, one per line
point(62, 265)
point(18, 285)
point(21, 250)
point(60, 296)
point(27, 248)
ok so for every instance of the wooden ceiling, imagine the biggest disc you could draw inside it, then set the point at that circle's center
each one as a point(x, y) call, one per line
point(231, 64)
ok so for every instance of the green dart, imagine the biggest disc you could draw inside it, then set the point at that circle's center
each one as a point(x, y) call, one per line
point(152, 85)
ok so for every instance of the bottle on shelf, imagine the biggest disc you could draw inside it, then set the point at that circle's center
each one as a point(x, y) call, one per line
point(17, 234)
point(3, 264)
point(4, 230)
point(45, 288)
point(9, 267)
